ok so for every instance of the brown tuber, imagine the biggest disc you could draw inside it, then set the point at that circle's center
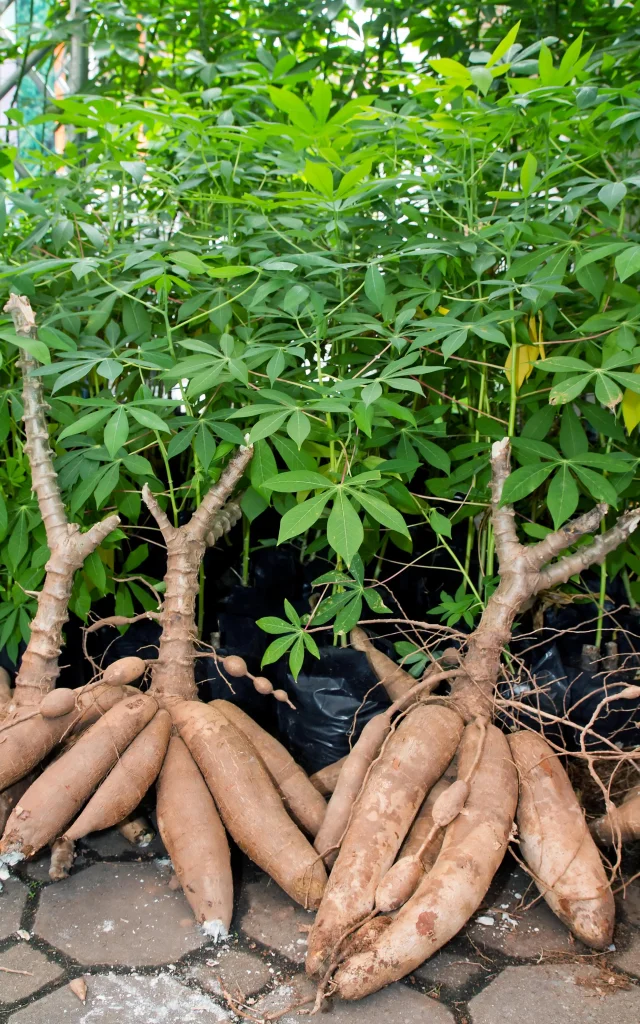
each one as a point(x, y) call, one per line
point(556, 844)
point(305, 805)
point(57, 702)
point(449, 804)
point(397, 784)
point(619, 824)
point(235, 666)
point(123, 671)
point(262, 685)
point(474, 845)
point(399, 884)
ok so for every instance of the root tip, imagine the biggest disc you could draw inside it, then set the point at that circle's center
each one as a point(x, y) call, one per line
point(215, 929)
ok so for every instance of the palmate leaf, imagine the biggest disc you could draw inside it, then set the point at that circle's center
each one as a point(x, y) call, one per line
point(562, 496)
point(277, 648)
point(299, 519)
point(597, 486)
point(569, 389)
point(344, 529)
point(607, 391)
point(524, 481)
point(382, 512)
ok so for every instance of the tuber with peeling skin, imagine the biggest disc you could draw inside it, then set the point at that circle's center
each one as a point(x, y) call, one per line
point(620, 824)
point(350, 780)
point(249, 803)
point(57, 795)
point(195, 838)
point(556, 843)
point(301, 798)
point(474, 845)
point(131, 776)
point(395, 789)
point(57, 702)
point(123, 671)
point(326, 778)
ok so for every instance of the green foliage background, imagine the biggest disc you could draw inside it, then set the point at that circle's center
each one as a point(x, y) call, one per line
point(371, 238)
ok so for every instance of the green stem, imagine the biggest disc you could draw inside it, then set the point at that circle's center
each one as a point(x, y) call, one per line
point(461, 567)
point(167, 468)
point(602, 596)
point(246, 550)
point(627, 588)
point(513, 393)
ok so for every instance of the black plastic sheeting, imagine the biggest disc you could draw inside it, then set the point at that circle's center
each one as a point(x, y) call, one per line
point(334, 700)
point(574, 692)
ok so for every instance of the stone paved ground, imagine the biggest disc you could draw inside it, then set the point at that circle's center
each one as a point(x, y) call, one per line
point(120, 925)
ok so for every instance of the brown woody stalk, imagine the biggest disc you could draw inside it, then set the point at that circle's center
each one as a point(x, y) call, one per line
point(68, 546)
point(525, 570)
point(173, 672)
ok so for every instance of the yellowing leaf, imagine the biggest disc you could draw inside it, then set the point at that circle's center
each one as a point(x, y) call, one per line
point(631, 407)
point(443, 310)
point(536, 332)
point(526, 356)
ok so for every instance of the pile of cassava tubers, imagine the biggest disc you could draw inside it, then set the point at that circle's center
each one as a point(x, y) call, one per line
point(420, 813)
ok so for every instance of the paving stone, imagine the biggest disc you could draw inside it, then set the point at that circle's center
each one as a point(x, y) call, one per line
point(629, 959)
point(38, 869)
point(124, 999)
point(23, 957)
point(394, 1005)
point(12, 900)
point(237, 969)
point(571, 993)
point(118, 914)
point(449, 969)
point(516, 932)
point(629, 904)
point(275, 920)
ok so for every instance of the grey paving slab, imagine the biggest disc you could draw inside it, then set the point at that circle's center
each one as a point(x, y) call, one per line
point(118, 914)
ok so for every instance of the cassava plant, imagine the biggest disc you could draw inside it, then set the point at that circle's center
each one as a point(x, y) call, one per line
point(194, 750)
point(34, 716)
point(499, 779)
